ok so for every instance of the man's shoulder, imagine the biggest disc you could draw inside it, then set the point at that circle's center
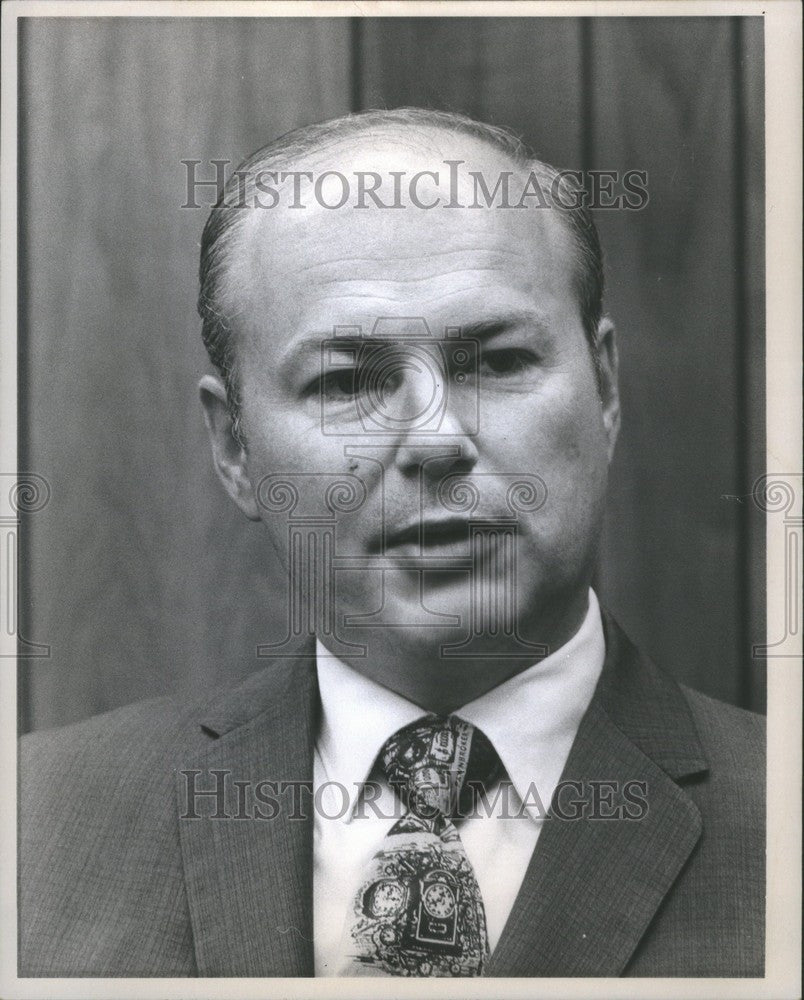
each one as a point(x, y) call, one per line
point(731, 794)
point(97, 835)
point(730, 735)
point(648, 701)
point(136, 747)
point(107, 769)
point(716, 750)
point(141, 731)
point(99, 832)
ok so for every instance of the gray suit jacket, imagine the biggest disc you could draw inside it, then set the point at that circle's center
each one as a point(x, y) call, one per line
point(114, 883)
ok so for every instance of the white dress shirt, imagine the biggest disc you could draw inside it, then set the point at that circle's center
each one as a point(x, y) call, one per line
point(531, 720)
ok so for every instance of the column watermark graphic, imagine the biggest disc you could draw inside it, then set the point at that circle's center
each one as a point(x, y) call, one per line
point(21, 493)
point(311, 502)
point(493, 569)
point(781, 495)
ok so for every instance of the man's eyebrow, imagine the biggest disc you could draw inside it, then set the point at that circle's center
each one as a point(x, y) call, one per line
point(310, 344)
point(485, 328)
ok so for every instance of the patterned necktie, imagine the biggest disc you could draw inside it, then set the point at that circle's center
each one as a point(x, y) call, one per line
point(419, 911)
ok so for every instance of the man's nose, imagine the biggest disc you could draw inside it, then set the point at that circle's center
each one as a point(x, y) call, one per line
point(448, 426)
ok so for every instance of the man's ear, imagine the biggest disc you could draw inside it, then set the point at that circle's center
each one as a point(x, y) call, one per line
point(228, 454)
point(608, 365)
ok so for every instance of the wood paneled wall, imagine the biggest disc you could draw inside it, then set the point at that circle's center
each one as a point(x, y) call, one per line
point(139, 573)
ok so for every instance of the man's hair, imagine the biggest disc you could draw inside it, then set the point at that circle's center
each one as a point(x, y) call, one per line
point(229, 215)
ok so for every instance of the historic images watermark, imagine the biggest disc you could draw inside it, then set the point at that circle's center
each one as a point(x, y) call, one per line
point(218, 794)
point(448, 187)
point(21, 493)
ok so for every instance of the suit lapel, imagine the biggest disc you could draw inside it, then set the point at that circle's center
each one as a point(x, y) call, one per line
point(249, 880)
point(594, 885)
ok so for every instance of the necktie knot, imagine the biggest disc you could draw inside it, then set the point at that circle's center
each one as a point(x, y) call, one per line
point(433, 763)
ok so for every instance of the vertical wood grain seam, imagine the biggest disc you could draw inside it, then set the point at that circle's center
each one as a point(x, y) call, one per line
point(24, 707)
point(741, 355)
point(355, 65)
point(587, 83)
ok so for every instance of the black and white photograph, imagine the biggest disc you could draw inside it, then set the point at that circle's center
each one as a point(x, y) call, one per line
point(402, 498)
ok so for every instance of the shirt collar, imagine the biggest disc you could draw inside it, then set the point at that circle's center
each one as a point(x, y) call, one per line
point(531, 719)
point(357, 717)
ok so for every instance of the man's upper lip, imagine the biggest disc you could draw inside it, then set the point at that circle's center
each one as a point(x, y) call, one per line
point(430, 532)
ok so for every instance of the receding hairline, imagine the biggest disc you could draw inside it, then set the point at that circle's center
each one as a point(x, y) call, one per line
point(398, 124)
point(420, 137)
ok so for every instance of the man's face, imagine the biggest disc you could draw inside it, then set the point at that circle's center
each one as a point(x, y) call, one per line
point(408, 421)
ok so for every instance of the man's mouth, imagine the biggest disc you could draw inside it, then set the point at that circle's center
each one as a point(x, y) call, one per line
point(429, 537)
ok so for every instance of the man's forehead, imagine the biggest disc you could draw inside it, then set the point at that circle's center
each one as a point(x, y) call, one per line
point(397, 254)
point(397, 194)
point(403, 174)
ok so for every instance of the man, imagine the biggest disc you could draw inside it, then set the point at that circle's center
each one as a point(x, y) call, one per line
point(417, 395)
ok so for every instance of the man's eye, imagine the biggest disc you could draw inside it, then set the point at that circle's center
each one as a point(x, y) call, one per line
point(340, 384)
point(510, 361)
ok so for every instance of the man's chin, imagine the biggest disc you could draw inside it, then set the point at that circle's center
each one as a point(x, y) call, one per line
point(443, 625)
point(408, 603)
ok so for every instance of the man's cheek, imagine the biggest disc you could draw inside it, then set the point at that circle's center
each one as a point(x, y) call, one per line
point(288, 448)
point(578, 438)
